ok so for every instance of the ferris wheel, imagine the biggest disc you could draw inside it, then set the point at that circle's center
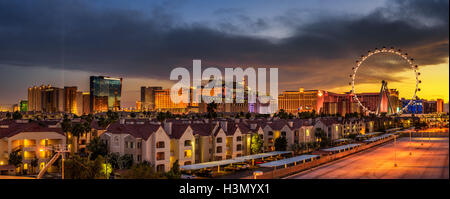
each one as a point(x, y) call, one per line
point(384, 89)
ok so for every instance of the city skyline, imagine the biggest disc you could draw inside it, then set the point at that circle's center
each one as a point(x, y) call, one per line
point(312, 49)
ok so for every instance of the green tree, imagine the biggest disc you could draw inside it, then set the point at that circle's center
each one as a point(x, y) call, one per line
point(141, 171)
point(248, 115)
point(296, 148)
point(66, 125)
point(34, 163)
point(77, 130)
point(211, 110)
point(15, 158)
point(280, 144)
point(77, 167)
point(113, 159)
point(282, 114)
point(17, 115)
point(112, 116)
point(8, 115)
point(174, 172)
point(96, 147)
point(161, 117)
point(126, 161)
point(103, 122)
point(323, 138)
point(257, 143)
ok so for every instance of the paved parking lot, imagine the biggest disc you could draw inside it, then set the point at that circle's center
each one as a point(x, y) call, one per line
point(428, 161)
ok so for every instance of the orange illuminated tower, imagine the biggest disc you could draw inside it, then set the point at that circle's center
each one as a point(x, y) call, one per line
point(384, 104)
point(116, 104)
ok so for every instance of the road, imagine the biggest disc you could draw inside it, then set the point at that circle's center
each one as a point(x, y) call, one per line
point(428, 161)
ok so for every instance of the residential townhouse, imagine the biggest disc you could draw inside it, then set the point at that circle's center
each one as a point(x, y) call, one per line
point(331, 126)
point(274, 129)
point(303, 131)
point(143, 140)
point(182, 143)
point(353, 126)
point(34, 140)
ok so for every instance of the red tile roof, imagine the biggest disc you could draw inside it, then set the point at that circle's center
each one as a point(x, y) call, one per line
point(202, 129)
point(136, 130)
point(16, 128)
point(178, 130)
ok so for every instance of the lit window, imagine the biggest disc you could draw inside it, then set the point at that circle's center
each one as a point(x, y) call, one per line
point(187, 153)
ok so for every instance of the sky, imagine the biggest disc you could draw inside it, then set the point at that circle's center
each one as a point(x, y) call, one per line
point(314, 44)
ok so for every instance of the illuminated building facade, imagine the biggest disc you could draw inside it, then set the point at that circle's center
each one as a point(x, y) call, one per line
point(340, 104)
point(429, 106)
point(86, 103)
point(23, 106)
point(440, 105)
point(395, 100)
point(70, 99)
point(79, 103)
point(164, 103)
point(416, 107)
point(301, 100)
point(52, 100)
point(220, 91)
point(371, 100)
point(34, 97)
point(105, 93)
point(148, 98)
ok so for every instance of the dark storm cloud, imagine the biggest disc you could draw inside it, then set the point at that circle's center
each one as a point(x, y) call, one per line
point(131, 43)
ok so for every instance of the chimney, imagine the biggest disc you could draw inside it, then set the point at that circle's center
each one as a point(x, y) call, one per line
point(168, 127)
point(291, 124)
point(223, 124)
point(122, 121)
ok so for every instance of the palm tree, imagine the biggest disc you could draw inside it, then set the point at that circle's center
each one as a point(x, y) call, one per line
point(34, 163)
point(103, 123)
point(211, 109)
point(295, 147)
point(15, 158)
point(96, 147)
point(77, 131)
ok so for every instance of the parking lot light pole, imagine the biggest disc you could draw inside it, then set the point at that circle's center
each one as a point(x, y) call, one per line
point(395, 151)
point(409, 145)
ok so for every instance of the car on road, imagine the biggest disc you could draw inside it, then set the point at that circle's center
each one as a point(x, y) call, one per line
point(242, 166)
point(186, 176)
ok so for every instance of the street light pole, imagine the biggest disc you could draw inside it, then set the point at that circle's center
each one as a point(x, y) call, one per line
point(409, 145)
point(422, 140)
point(62, 164)
point(395, 151)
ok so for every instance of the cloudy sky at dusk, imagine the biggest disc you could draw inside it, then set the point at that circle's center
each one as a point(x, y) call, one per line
point(313, 43)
